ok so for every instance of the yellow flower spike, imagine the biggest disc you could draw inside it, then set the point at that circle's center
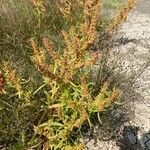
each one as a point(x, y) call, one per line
point(121, 16)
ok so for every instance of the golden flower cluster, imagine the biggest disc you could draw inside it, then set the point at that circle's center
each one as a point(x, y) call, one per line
point(2, 82)
point(121, 16)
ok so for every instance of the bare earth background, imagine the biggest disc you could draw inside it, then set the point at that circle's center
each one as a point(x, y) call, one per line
point(132, 51)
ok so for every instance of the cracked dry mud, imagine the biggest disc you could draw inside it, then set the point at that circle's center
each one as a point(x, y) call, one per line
point(132, 52)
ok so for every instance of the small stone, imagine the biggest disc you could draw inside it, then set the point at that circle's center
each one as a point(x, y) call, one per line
point(117, 116)
point(148, 136)
point(145, 139)
point(130, 135)
point(147, 145)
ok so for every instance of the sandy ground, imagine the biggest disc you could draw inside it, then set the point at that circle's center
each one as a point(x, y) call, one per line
point(132, 52)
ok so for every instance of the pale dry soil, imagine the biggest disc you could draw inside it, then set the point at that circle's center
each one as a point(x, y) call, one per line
point(131, 56)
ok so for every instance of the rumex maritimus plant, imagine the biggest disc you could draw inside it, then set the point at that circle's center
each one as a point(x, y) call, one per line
point(70, 101)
